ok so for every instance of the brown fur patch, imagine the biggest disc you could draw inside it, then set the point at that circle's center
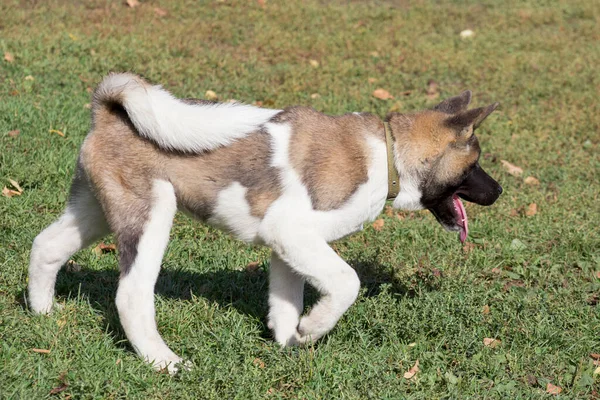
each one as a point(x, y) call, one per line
point(428, 145)
point(198, 179)
point(123, 165)
point(330, 153)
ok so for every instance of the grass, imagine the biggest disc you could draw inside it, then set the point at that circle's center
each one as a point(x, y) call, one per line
point(423, 295)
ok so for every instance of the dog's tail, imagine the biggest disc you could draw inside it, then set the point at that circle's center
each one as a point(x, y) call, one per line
point(174, 124)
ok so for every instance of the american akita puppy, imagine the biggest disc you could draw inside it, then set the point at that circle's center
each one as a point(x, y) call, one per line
point(293, 180)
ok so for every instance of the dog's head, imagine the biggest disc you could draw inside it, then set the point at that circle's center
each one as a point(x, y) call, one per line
point(437, 158)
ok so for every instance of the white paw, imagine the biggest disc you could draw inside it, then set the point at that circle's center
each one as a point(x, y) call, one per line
point(172, 366)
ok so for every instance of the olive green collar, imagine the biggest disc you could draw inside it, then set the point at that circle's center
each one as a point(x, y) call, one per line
point(393, 179)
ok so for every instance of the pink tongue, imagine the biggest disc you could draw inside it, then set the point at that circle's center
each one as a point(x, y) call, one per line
point(461, 221)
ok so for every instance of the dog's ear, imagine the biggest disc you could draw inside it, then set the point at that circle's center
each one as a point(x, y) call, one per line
point(454, 104)
point(467, 121)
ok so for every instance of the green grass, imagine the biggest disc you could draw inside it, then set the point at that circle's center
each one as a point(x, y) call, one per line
point(538, 58)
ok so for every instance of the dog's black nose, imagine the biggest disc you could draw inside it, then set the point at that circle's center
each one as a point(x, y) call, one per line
point(499, 190)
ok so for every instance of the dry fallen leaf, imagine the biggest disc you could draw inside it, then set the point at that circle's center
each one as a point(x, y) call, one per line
point(511, 168)
point(595, 356)
point(262, 3)
point(553, 389)
point(313, 63)
point(374, 54)
point(413, 344)
point(63, 384)
point(104, 248)
point(530, 180)
point(8, 57)
point(315, 96)
point(118, 361)
point(6, 192)
point(491, 343)
point(161, 12)
point(378, 224)
point(252, 266)
point(29, 78)
point(41, 351)
point(597, 371)
point(132, 3)
point(486, 310)
point(372, 80)
point(531, 210)
point(432, 90)
point(59, 133)
point(16, 185)
point(598, 274)
point(258, 363)
point(469, 247)
point(59, 389)
point(389, 211)
point(496, 270)
point(87, 106)
point(467, 33)
point(413, 371)
point(210, 95)
point(14, 133)
point(382, 94)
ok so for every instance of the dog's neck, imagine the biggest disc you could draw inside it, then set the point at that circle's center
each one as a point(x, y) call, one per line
point(393, 179)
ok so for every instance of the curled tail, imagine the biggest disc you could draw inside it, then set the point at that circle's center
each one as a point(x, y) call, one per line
point(174, 124)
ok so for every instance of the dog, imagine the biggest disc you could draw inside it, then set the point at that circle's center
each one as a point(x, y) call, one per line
point(293, 180)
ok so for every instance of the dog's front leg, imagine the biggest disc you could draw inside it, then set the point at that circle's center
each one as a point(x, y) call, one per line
point(311, 258)
point(286, 300)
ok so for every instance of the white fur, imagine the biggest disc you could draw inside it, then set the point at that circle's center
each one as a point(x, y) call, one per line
point(409, 197)
point(232, 212)
point(135, 296)
point(174, 124)
point(286, 300)
point(298, 234)
point(81, 223)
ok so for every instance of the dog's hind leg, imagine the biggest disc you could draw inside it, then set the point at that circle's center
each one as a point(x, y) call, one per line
point(286, 299)
point(311, 257)
point(82, 223)
point(141, 249)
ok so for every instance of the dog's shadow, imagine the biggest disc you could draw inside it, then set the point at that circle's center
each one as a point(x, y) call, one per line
point(246, 291)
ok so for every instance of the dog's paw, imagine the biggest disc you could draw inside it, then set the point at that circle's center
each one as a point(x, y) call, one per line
point(172, 367)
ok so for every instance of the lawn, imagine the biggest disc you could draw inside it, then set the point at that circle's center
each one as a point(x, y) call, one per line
point(529, 276)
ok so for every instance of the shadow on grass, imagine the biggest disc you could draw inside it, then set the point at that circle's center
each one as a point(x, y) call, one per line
point(246, 291)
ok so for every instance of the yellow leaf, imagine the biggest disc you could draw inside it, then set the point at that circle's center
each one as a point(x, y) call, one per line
point(530, 180)
point(382, 94)
point(314, 63)
point(378, 224)
point(59, 133)
point(315, 96)
point(531, 210)
point(161, 12)
point(252, 266)
point(413, 371)
point(16, 185)
point(41, 351)
point(8, 57)
point(491, 343)
point(210, 95)
point(553, 389)
point(511, 168)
